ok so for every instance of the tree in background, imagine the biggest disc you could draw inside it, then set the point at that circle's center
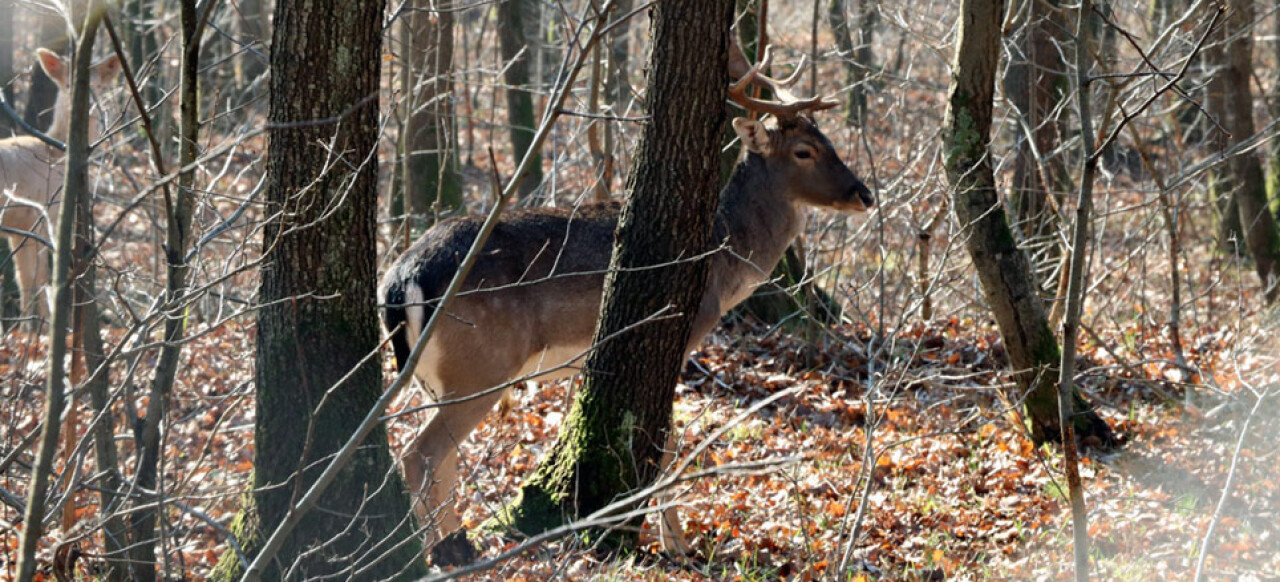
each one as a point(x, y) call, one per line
point(317, 325)
point(1003, 269)
point(516, 55)
point(1037, 86)
point(430, 176)
point(1249, 194)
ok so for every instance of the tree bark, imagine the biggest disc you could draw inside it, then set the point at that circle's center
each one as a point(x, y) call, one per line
point(1250, 193)
point(516, 55)
point(1003, 269)
point(856, 52)
point(318, 316)
point(613, 436)
point(75, 187)
point(1223, 181)
point(1036, 84)
point(431, 182)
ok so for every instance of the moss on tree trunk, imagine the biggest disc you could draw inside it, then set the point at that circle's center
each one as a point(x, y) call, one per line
point(613, 436)
point(1003, 269)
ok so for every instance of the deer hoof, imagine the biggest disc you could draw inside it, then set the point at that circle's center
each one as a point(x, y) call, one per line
point(454, 550)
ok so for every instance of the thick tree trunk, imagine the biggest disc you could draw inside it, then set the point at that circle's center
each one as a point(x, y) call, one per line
point(612, 439)
point(431, 181)
point(519, 99)
point(1003, 269)
point(1250, 193)
point(318, 317)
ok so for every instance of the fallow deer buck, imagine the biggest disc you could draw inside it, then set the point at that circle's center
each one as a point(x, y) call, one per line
point(31, 175)
point(530, 303)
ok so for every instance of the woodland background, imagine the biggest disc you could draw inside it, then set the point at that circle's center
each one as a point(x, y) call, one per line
point(882, 444)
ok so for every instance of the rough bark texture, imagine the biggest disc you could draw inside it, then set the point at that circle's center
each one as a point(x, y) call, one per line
point(318, 317)
point(612, 438)
point(431, 181)
point(1250, 194)
point(519, 98)
point(1003, 269)
point(1036, 84)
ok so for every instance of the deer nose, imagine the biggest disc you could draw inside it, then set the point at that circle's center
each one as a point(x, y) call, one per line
point(858, 197)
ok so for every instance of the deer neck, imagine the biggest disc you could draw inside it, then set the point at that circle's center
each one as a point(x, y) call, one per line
point(61, 125)
point(757, 220)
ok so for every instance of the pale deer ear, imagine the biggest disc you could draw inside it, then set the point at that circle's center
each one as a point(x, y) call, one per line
point(753, 135)
point(106, 71)
point(54, 66)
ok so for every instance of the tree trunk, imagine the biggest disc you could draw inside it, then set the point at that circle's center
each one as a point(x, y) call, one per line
point(856, 51)
point(1222, 180)
point(1036, 84)
point(431, 182)
point(1003, 269)
point(613, 436)
point(519, 99)
point(1250, 192)
point(1273, 181)
point(75, 187)
point(318, 316)
point(254, 29)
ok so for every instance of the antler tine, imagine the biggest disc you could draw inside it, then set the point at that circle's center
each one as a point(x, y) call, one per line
point(786, 105)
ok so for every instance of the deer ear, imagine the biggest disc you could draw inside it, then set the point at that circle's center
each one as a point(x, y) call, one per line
point(753, 135)
point(54, 66)
point(107, 70)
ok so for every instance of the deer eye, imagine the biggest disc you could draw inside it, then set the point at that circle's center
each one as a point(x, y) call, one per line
point(803, 154)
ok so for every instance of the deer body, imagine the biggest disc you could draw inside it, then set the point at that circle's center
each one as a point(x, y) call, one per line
point(530, 304)
point(31, 177)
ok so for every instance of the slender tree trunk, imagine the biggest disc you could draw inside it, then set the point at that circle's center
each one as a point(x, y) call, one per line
point(254, 28)
point(75, 187)
point(618, 86)
point(613, 436)
point(1250, 194)
point(1222, 180)
point(1036, 84)
point(318, 317)
point(1273, 181)
point(1003, 269)
point(516, 53)
point(178, 216)
point(854, 40)
point(431, 182)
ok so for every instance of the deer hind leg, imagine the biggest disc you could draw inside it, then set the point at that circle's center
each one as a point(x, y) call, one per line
point(670, 530)
point(32, 268)
point(431, 460)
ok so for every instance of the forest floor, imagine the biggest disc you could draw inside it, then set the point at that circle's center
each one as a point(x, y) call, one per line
point(956, 490)
point(951, 488)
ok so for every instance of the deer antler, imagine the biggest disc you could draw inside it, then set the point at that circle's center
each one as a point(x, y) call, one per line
point(784, 105)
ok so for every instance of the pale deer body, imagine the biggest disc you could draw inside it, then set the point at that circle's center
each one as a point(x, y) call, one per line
point(530, 304)
point(31, 176)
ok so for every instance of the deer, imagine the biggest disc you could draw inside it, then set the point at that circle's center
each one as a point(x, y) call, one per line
point(31, 176)
point(530, 302)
